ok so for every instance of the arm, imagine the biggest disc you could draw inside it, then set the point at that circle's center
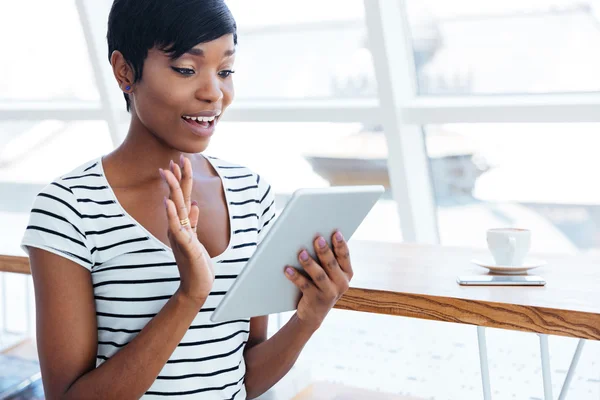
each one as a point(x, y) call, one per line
point(267, 361)
point(67, 336)
point(66, 314)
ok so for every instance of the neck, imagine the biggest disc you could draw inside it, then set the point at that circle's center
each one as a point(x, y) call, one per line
point(140, 156)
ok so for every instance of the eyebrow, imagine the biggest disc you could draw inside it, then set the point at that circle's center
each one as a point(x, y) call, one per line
point(200, 53)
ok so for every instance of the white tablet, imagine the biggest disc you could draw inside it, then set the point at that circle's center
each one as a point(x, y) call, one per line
point(262, 287)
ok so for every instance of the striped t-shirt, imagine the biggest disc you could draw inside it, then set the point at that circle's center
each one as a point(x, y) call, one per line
point(134, 274)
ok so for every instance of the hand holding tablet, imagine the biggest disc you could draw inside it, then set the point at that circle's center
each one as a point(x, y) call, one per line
point(325, 280)
point(262, 288)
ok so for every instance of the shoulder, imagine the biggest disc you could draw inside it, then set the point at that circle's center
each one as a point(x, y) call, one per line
point(65, 200)
point(63, 186)
point(234, 171)
point(56, 222)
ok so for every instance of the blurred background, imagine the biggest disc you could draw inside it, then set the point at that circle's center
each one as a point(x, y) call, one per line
point(473, 114)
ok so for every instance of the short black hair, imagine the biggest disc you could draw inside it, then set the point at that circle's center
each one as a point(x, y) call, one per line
point(173, 26)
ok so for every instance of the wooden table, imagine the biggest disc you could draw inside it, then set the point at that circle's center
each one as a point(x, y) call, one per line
point(16, 264)
point(420, 281)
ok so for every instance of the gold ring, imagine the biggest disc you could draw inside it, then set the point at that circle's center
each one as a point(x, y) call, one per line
point(185, 222)
point(194, 228)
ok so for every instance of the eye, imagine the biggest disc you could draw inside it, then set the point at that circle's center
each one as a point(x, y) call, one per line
point(226, 73)
point(184, 71)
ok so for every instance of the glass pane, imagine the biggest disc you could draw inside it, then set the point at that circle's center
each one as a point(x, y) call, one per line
point(294, 155)
point(44, 54)
point(263, 13)
point(536, 176)
point(507, 47)
point(308, 49)
point(32, 154)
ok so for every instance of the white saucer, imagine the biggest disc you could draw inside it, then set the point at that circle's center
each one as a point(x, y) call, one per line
point(529, 263)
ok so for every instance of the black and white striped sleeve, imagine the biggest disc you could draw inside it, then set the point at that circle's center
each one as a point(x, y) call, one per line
point(266, 208)
point(55, 225)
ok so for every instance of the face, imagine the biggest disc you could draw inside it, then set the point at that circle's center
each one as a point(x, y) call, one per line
point(181, 101)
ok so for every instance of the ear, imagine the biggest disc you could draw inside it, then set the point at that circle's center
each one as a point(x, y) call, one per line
point(122, 71)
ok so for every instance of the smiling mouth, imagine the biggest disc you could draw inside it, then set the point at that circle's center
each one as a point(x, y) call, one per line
point(202, 122)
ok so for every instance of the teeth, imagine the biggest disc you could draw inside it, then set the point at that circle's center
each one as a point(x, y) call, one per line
point(201, 119)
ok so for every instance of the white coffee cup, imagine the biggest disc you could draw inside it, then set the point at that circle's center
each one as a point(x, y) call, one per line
point(509, 246)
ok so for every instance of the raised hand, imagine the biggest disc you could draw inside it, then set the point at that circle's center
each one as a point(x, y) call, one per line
point(329, 279)
point(195, 267)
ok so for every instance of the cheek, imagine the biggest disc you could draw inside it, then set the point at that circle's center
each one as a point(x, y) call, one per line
point(155, 101)
point(228, 94)
point(164, 94)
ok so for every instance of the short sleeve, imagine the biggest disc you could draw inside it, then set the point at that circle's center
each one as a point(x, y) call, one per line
point(55, 225)
point(267, 213)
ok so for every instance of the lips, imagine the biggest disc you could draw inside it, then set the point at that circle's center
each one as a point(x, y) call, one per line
point(203, 123)
point(204, 115)
point(200, 118)
point(201, 128)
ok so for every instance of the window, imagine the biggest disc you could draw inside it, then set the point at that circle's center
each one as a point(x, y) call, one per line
point(294, 155)
point(503, 47)
point(537, 176)
point(44, 54)
point(302, 50)
point(39, 151)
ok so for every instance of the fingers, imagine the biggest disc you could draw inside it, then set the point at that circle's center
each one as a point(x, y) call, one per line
point(325, 255)
point(342, 254)
point(317, 274)
point(301, 282)
point(329, 278)
point(183, 175)
point(186, 180)
point(330, 264)
point(176, 231)
point(175, 170)
point(176, 194)
point(194, 212)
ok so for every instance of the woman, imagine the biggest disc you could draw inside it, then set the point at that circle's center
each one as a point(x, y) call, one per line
point(161, 232)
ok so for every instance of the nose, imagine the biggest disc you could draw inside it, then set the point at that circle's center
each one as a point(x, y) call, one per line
point(210, 90)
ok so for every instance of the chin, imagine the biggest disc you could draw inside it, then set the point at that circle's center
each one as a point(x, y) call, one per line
point(197, 146)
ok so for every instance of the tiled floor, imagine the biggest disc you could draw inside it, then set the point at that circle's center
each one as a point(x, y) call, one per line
point(429, 360)
point(438, 361)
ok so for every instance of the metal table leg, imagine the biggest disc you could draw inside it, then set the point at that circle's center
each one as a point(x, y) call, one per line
point(569, 377)
point(546, 371)
point(483, 361)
